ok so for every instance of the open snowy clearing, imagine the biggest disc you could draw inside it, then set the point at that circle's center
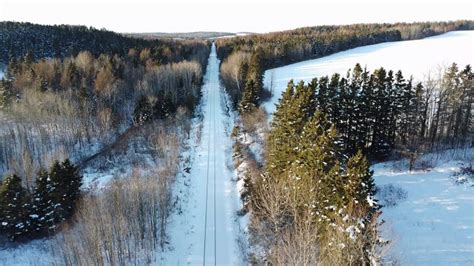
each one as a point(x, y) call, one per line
point(431, 217)
point(415, 58)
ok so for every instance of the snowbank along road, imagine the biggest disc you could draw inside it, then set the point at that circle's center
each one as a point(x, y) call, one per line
point(206, 232)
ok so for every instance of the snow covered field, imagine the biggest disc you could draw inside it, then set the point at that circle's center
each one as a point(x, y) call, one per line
point(415, 58)
point(432, 220)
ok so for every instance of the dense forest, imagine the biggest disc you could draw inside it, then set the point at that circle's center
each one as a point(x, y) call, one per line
point(281, 48)
point(311, 193)
point(74, 99)
point(26, 214)
point(59, 41)
point(382, 111)
point(71, 102)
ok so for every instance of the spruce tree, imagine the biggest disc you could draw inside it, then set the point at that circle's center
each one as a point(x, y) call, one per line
point(359, 185)
point(41, 209)
point(313, 172)
point(14, 205)
point(65, 189)
point(295, 108)
point(6, 93)
point(143, 111)
point(249, 100)
point(367, 110)
point(72, 182)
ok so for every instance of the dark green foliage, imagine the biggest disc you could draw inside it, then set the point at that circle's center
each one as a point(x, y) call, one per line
point(53, 201)
point(325, 188)
point(13, 208)
point(374, 112)
point(6, 92)
point(65, 187)
point(249, 100)
point(252, 75)
point(282, 48)
point(295, 108)
point(41, 209)
point(359, 184)
point(143, 111)
point(60, 41)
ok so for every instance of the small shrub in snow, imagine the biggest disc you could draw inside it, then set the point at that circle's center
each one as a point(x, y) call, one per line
point(390, 195)
point(464, 175)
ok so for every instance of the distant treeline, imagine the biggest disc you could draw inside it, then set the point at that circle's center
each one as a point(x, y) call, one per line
point(281, 48)
point(59, 41)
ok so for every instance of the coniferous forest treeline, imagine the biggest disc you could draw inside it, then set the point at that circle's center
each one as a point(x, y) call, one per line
point(281, 48)
point(59, 41)
point(311, 195)
point(76, 98)
point(312, 199)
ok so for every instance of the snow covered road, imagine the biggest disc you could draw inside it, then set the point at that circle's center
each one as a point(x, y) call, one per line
point(205, 232)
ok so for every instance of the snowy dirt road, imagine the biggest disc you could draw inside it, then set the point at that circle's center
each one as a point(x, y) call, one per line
point(205, 231)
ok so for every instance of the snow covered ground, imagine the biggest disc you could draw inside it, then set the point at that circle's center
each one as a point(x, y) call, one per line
point(205, 230)
point(415, 58)
point(434, 224)
point(204, 227)
point(431, 220)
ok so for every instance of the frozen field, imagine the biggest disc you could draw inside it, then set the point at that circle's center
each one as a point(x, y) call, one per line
point(415, 58)
point(431, 217)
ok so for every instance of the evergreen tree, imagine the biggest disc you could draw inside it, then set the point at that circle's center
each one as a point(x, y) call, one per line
point(41, 209)
point(143, 111)
point(13, 208)
point(323, 94)
point(359, 185)
point(279, 145)
point(65, 189)
point(249, 100)
point(29, 58)
point(295, 108)
point(367, 110)
point(313, 170)
point(356, 113)
point(333, 97)
point(466, 124)
point(380, 143)
point(5, 93)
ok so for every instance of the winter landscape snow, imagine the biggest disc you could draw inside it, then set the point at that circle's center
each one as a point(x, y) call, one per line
point(434, 225)
point(428, 212)
point(417, 58)
point(205, 231)
point(431, 216)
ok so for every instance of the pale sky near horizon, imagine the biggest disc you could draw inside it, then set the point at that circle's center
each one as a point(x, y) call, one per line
point(228, 15)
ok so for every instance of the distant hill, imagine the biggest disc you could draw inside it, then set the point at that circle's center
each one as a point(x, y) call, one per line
point(185, 35)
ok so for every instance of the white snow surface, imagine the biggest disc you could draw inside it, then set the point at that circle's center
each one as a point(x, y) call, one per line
point(206, 230)
point(417, 58)
point(434, 224)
